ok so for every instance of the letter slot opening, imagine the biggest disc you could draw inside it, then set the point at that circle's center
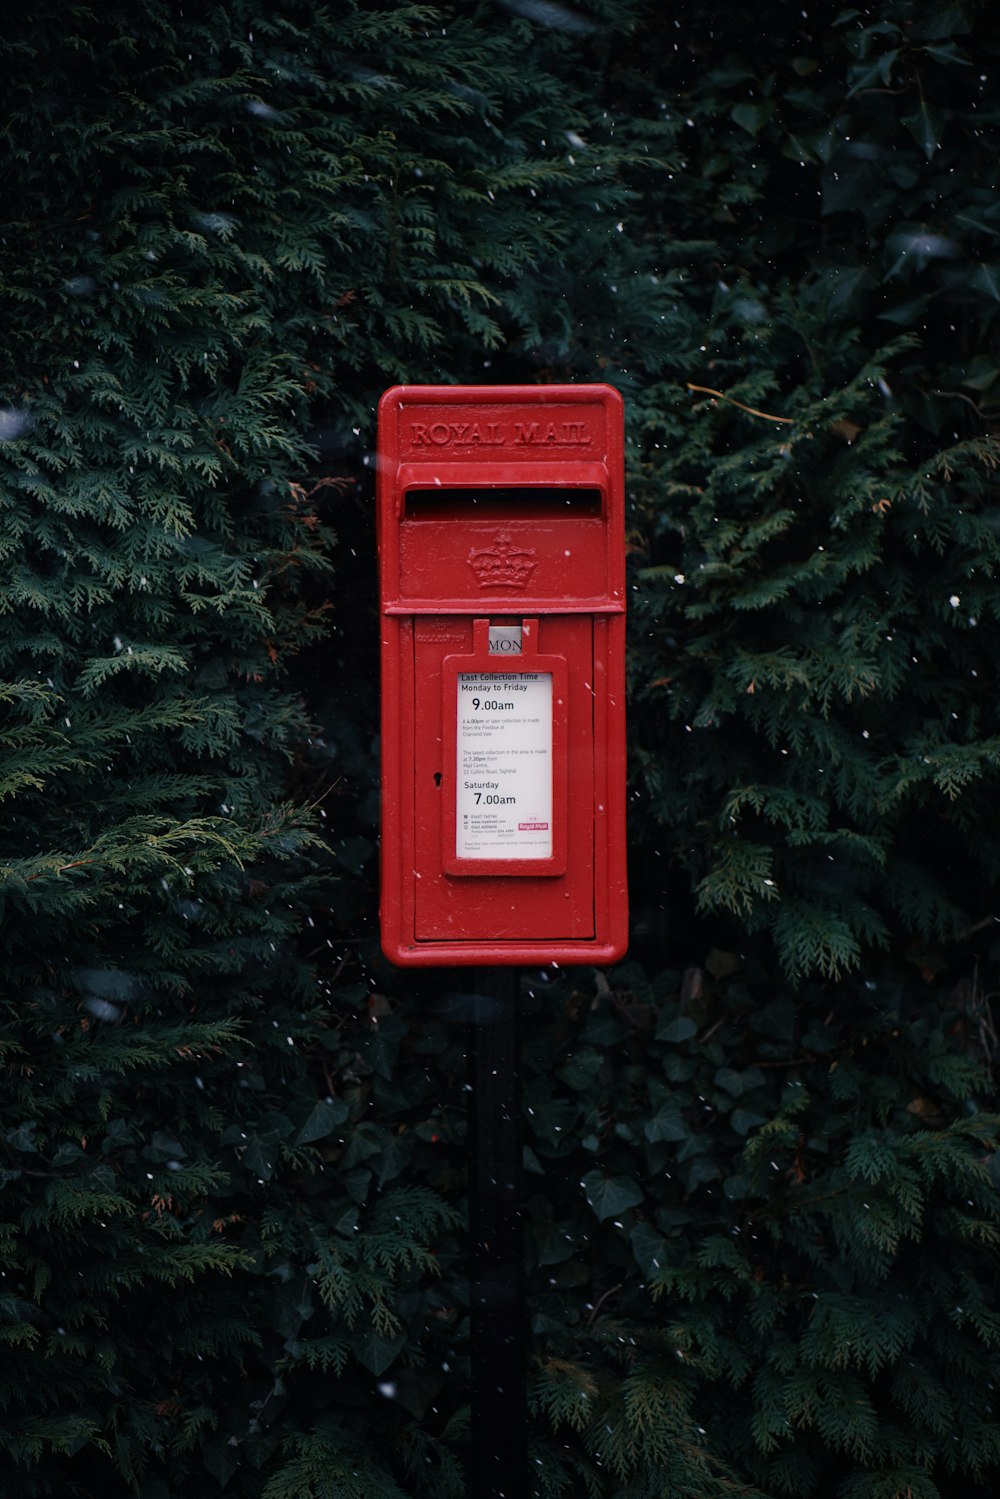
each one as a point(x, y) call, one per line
point(489, 503)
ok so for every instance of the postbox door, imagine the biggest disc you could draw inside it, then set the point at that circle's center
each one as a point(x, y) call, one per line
point(490, 905)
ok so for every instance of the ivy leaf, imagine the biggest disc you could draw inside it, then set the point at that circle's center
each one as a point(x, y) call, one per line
point(649, 1248)
point(939, 24)
point(744, 1120)
point(610, 1195)
point(367, 1140)
point(681, 1028)
point(327, 1115)
point(695, 1144)
point(163, 1147)
point(220, 1459)
point(260, 1156)
point(948, 52)
point(382, 1046)
point(907, 314)
point(551, 1118)
point(558, 1242)
point(293, 1305)
point(582, 1069)
point(375, 1351)
point(926, 125)
point(67, 1153)
point(737, 1083)
point(23, 1138)
point(356, 1184)
point(986, 278)
point(751, 117)
point(700, 1169)
point(395, 1157)
point(667, 1124)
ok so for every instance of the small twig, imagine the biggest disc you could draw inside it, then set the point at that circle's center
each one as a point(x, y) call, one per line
point(707, 1035)
point(863, 91)
point(958, 395)
point(61, 869)
point(341, 483)
point(978, 926)
point(611, 1291)
point(708, 391)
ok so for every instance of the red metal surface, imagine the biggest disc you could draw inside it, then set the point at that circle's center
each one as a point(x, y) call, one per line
point(502, 505)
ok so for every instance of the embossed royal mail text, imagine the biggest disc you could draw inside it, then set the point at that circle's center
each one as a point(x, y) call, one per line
point(541, 434)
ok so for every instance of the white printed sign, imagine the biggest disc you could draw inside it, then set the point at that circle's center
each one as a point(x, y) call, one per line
point(504, 792)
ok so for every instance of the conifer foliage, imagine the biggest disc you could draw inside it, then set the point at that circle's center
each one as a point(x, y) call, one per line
point(765, 1227)
point(762, 1205)
point(818, 483)
point(224, 233)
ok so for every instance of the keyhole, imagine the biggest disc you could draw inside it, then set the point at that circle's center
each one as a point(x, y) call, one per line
point(437, 778)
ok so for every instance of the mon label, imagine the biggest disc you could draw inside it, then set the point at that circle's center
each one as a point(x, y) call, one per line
point(505, 640)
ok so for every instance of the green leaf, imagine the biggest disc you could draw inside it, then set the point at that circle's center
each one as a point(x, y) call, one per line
point(667, 1124)
point(221, 1459)
point(680, 1028)
point(678, 1068)
point(23, 1138)
point(752, 117)
point(326, 1116)
point(649, 1248)
point(736, 1082)
point(610, 1195)
point(67, 1154)
point(260, 1156)
point(948, 53)
point(700, 1169)
point(926, 125)
point(550, 1117)
point(395, 1156)
point(986, 278)
point(559, 1242)
point(163, 1147)
point(374, 1351)
point(744, 1120)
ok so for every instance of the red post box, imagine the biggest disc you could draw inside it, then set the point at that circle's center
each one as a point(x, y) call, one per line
point(501, 557)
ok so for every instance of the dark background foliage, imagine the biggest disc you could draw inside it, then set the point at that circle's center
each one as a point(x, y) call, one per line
point(761, 1182)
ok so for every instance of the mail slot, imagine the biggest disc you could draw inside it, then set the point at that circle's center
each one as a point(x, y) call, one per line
point(501, 559)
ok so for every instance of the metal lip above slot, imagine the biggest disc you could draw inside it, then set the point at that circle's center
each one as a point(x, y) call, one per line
point(497, 474)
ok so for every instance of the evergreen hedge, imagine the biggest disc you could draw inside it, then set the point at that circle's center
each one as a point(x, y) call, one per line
point(760, 1158)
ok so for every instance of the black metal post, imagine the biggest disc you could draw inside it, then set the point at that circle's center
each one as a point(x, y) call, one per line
point(498, 1458)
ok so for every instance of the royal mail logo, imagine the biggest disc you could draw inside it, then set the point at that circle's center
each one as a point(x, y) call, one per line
point(504, 564)
point(540, 434)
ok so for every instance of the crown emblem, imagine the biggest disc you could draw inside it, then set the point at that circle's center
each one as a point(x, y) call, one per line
point(503, 565)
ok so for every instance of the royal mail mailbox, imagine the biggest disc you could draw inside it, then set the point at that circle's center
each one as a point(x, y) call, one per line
point(501, 554)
